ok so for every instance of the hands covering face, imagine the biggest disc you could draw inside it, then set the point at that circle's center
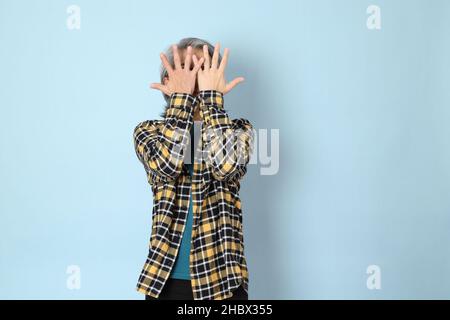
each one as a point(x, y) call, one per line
point(211, 77)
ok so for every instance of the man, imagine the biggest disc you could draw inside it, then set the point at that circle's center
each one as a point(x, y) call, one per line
point(209, 262)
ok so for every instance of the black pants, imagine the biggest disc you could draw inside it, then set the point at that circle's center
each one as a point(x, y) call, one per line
point(179, 289)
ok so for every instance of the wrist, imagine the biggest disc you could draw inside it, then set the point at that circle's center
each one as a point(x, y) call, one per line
point(208, 88)
point(205, 92)
point(183, 91)
point(182, 100)
point(211, 97)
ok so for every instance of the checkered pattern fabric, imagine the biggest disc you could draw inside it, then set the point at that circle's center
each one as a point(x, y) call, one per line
point(217, 261)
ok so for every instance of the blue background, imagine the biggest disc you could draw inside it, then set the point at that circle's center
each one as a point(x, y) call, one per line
point(364, 143)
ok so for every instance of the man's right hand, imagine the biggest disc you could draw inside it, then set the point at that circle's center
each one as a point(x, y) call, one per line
point(181, 78)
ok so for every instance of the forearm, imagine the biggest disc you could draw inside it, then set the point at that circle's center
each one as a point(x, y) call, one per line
point(229, 143)
point(161, 150)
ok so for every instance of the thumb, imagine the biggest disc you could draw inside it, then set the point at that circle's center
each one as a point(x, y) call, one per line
point(233, 83)
point(160, 87)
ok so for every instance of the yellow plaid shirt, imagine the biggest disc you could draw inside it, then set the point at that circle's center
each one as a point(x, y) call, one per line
point(217, 262)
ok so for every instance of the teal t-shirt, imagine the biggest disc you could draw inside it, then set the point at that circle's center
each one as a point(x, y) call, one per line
point(181, 267)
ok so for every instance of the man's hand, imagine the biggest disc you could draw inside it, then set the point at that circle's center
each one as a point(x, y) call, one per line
point(181, 79)
point(212, 76)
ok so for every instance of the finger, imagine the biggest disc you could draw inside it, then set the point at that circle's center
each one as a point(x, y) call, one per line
point(206, 55)
point(157, 86)
point(195, 60)
point(166, 63)
point(187, 58)
point(197, 63)
point(233, 83)
point(223, 62)
point(160, 87)
point(176, 57)
point(215, 57)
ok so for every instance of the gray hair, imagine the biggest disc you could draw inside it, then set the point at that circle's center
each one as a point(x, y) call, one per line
point(183, 44)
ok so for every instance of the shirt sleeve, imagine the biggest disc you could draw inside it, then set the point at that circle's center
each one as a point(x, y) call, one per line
point(229, 142)
point(160, 144)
